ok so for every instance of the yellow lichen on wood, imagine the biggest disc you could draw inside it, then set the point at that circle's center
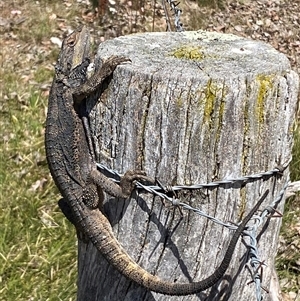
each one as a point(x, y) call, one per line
point(265, 84)
point(179, 102)
point(188, 52)
point(210, 98)
point(244, 158)
point(222, 105)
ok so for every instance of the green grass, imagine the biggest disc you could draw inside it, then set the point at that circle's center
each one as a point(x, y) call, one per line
point(287, 262)
point(295, 164)
point(37, 252)
point(37, 244)
point(43, 19)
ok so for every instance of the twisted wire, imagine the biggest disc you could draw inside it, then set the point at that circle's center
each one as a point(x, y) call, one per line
point(255, 263)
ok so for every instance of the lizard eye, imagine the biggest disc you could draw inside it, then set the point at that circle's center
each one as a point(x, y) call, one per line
point(71, 41)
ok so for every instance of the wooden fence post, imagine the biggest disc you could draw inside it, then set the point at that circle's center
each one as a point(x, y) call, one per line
point(192, 107)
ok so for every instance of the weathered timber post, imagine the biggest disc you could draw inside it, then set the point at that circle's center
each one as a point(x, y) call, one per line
point(192, 107)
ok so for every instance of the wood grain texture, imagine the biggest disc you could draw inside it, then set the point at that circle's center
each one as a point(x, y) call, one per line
point(192, 107)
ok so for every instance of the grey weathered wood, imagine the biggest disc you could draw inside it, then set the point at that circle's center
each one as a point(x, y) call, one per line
point(192, 107)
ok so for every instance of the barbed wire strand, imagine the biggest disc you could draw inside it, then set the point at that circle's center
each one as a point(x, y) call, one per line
point(251, 232)
point(224, 182)
point(255, 262)
point(177, 12)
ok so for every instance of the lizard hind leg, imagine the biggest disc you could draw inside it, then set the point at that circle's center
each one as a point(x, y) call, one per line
point(127, 182)
point(126, 186)
point(92, 195)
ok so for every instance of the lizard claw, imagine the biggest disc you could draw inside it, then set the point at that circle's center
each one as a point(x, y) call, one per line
point(127, 182)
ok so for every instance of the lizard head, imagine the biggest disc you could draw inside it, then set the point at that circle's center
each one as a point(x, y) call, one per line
point(74, 51)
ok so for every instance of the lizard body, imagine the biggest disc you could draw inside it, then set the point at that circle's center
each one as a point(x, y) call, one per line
point(73, 167)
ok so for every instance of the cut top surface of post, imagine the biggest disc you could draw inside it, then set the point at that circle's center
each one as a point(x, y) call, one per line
point(215, 54)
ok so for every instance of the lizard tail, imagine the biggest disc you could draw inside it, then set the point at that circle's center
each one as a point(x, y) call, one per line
point(107, 244)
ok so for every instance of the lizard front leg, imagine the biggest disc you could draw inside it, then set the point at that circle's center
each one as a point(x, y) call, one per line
point(87, 88)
